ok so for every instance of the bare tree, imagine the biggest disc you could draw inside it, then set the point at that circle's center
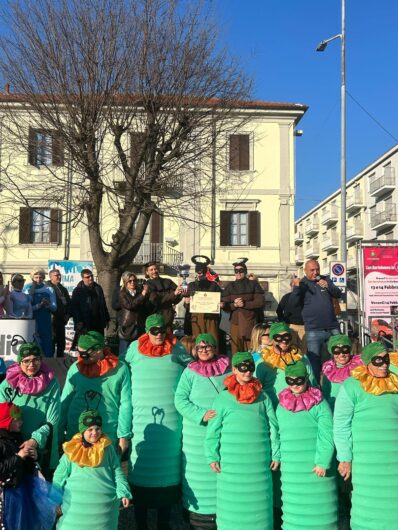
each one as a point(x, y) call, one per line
point(137, 93)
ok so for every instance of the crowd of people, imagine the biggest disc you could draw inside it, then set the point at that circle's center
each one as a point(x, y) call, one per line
point(267, 434)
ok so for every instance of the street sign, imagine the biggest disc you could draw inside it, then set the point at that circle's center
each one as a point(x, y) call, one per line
point(338, 273)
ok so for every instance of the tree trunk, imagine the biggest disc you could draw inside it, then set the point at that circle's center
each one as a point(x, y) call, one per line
point(109, 281)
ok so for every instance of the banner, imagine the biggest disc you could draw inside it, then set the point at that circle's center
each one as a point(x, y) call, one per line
point(70, 271)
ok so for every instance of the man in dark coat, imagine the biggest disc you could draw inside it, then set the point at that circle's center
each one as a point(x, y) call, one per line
point(61, 316)
point(242, 298)
point(163, 293)
point(289, 310)
point(88, 306)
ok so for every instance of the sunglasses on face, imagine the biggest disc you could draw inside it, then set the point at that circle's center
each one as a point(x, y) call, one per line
point(239, 271)
point(89, 421)
point(87, 353)
point(336, 350)
point(298, 381)
point(379, 360)
point(247, 366)
point(157, 331)
point(286, 338)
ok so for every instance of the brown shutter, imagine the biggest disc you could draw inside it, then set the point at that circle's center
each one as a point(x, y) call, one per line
point(58, 149)
point(25, 225)
point(244, 152)
point(156, 228)
point(225, 228)
point(254, 229)
point(32, 147)
point(234, 152)
point(55, 218)
point(137, 141)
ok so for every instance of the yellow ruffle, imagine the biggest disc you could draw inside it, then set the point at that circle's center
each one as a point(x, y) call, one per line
point(86, 456)
point(277, 360)
point(394, 358)
point(375, 385)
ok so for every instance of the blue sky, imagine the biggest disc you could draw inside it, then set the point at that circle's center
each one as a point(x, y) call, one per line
point(276, 41)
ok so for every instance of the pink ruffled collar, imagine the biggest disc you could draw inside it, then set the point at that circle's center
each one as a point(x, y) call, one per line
point(217, 366)
point(298, 402)
point(338, 374)
point(29, 385)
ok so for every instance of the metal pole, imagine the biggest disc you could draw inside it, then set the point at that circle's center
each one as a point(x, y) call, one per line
point(343, 251)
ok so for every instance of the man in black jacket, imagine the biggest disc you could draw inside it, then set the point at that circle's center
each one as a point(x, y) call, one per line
point(61, 316)
point(289, 310)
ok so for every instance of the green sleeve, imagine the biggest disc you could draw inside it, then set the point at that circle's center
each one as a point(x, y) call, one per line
point(67, 395)
point(122, 487)
point(343, 414)
point(326, 387)
point(213, 434)
point(324, 441)
point(180, 355)
point(62, 473)
point(311, 377)
point(183, 404)
point(273, 430)
point(52, 416)
point(3, 396)
point(125, 407)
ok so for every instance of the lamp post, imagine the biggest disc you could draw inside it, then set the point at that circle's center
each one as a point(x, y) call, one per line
point(343, 180)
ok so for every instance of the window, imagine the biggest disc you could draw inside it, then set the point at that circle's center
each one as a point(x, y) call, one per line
point(239, 152)
point(39, 225)
point(240, 228)
point(45, 148)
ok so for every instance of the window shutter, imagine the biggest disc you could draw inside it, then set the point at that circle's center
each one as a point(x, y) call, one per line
point(58, 149)
point(156, 228)
point(234, 152)
point(225, 228)
point(55, 227)
point(244, 152)
point(25, 223)
point(254, 229)
point(32, 147)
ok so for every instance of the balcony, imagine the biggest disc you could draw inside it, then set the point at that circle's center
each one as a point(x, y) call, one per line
point(160, 252)
point(384, 219)
point(298, 237)
point(299, 256)
point(312, 250)
point(352, 263)
point(355, 232)
point(354, 203)
point(312, 228)
point(330, 216)
point(330, 243)
point(384, 184)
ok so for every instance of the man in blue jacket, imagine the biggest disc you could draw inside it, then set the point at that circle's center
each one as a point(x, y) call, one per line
point(315, 294)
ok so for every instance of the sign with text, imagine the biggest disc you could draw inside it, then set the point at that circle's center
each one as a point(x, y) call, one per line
point(205, 302)
point(338, 273)
point(70, 271)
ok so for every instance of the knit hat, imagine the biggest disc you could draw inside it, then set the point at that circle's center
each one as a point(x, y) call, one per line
point(297, 369)
point(206, 337)
point(9, 412)
point(278, 327)
point(26, 349)
point(241, 357)
point(154, 321)
point(336, 340)
point(91, 340)
point(88, 418)
point(371, 350)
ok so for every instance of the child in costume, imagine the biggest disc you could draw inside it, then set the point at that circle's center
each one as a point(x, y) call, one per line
point(27, 501)
point(92, 479)
point(309, 499)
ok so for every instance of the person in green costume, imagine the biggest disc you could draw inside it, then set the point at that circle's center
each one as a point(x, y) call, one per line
point(90, 475)
point(306, 436)
point(31, 385)
point(242, 447)
point(201, 382)
point(365, 436)
point(97, 374)
point(156, 363)
point(338, 369)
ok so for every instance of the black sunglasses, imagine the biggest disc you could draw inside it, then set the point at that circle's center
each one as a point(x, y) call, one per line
point(336, 350)
point(246, 366)
point(239, 271)
point(286, 337)
point(89, 421)
point(157, 330)
point(295, 380)
point(379, 360)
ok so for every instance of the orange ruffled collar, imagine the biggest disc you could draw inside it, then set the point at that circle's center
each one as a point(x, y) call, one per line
point(146, 347)
point(394, 358)
point(247, 393)
point(86, 456)
point(278, 360)
point(375, 385)
point(102, 367)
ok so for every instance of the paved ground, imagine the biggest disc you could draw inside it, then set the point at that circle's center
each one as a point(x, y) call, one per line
point(126, 520)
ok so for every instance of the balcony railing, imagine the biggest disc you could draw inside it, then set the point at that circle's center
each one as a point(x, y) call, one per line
point(330, 242)
point(383, 184)
point(355, 202)
point(298, 237)
point(312, 251)
point(312, 228)
point(331, 216)
point(355, 232)
point(159, 252)
point(351, 262)
point(299, 255)
point(384, 218)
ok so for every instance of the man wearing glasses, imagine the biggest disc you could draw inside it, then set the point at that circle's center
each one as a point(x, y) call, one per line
point(242, 298)
point(61, 316)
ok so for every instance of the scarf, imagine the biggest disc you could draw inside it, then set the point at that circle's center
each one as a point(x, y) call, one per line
point(29, 385)
point(101, 367)
point(247, 393)
point(216, 366)
point(86, 456)
point(281, 360)
point(298, 402)
point(338, 374)
point(146, 347)
point(375, 385)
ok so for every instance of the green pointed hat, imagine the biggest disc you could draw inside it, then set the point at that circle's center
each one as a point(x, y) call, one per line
point(206, 337)
point(241, 357)
point(337, 340)
point(278, 327)
point(154, 321)
point(372, 350)
point(88, 418)
point(297, 369)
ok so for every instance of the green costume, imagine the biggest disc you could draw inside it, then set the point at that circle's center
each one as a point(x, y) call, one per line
point(366, 434)
point(238, 437)
point(91, 494)
point(194, 397)
point(114, 406)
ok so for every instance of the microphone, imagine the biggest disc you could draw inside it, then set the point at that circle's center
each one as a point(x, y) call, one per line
point(317, 278)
